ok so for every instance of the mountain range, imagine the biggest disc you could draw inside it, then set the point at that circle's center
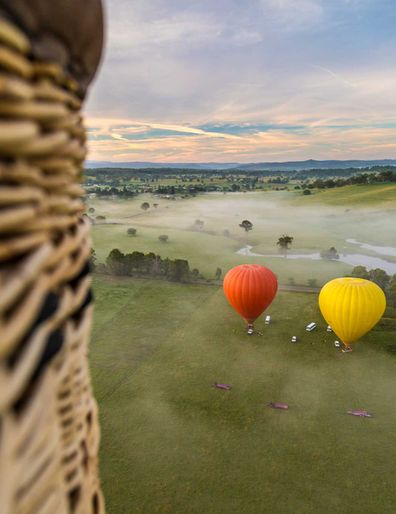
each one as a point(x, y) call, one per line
point(266, 166)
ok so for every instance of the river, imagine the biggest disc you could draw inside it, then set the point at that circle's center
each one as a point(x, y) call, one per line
point(354, 259)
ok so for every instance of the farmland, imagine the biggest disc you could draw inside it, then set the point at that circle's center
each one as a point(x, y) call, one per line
point(178, 445)
point(315, 227)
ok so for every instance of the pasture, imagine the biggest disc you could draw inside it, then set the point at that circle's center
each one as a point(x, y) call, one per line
point(173, 444)
point(362, 195)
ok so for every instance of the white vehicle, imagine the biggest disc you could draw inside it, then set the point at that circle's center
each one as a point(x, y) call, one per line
point(337, 344)
point(294, 339)
point(329, 329)
point(267, 320)
point(310, 327)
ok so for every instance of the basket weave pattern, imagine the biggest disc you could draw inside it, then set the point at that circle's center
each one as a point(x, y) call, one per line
point(49, 433)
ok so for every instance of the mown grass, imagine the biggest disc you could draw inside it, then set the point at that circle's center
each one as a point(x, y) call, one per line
point(172, 444)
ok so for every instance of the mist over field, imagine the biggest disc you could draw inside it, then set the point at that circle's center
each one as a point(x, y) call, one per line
point(314, 225)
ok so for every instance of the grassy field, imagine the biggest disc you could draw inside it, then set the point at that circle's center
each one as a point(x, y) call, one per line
point(315, 225)
point(363, 195)
point(172, 444)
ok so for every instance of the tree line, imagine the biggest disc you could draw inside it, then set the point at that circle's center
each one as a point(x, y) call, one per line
point(150, 265)
point(138, 264)
point(360, 179)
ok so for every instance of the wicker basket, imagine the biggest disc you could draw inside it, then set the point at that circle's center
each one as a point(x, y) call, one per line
point(48, 417)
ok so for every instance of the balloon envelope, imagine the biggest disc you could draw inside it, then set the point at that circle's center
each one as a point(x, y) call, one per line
point(351, 306)
point(250, 288)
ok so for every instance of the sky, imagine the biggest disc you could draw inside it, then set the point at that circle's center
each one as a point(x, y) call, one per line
point(245, 81)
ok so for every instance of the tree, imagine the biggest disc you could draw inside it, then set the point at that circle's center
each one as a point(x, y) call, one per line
point(156, 265)
point(150, 264)
point(145, 206)
point(360, 272)
point(179, 270)
point(392, 291)
point(330, 254)
point(164, 238)
point(195, 274)
point(218, 273)
point(199, 224)
point(131, 231)
point(93, 260)
point(284, 243)
point(165, 267)
point(116, 262)
point(91, 210)
point(379, 277)
point(134, 263)
point(100, 218)
point(306, 192)
point(246, 225)
point(155, 205)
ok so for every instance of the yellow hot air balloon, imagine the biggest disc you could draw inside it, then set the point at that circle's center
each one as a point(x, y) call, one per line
point(351, 306)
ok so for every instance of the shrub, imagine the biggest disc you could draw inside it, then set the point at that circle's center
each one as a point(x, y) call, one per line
point(330, 254)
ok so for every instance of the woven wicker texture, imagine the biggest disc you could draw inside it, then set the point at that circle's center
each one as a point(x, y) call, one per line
point(49, 432)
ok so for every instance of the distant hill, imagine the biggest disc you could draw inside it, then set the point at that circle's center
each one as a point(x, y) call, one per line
point(310, 164)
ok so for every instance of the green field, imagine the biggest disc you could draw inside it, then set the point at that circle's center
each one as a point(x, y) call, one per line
point(315, 225)
point(363, 195)
point(172, 444)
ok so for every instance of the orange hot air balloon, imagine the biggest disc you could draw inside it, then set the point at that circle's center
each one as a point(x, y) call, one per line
point(250, 289)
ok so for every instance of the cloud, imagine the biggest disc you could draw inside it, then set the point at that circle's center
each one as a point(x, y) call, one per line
point(121, 128)
point(138, 35)
point(254, 143)
point(247, 80)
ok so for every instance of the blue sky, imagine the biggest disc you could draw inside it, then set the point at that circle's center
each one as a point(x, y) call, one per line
point(246, 81)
